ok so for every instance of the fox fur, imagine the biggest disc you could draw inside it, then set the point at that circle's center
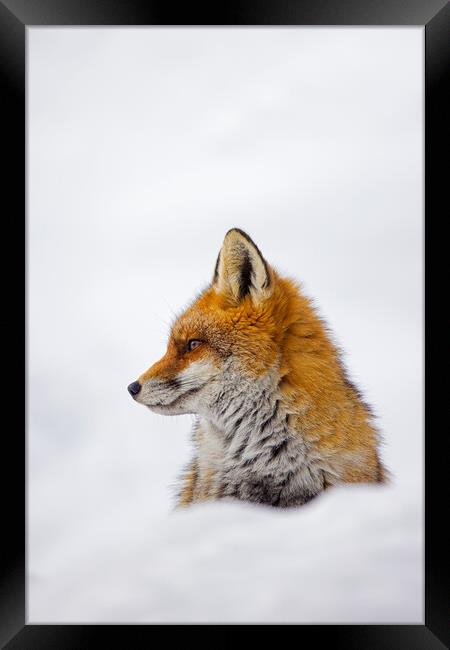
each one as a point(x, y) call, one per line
point(278, 420)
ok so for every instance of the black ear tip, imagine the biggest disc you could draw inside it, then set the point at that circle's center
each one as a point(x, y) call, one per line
point(242, 233)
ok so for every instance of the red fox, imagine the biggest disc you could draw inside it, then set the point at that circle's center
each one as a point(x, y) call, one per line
point(278, 420)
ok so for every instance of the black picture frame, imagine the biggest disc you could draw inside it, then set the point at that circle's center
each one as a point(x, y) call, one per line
point(15, 16)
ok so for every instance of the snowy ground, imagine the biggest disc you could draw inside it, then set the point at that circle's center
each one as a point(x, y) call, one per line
point(353, 556)
point(145, 146)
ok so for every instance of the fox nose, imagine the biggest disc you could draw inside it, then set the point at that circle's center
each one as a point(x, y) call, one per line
point(134, 388)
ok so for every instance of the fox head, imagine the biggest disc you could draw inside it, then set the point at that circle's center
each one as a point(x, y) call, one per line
point(228, 350)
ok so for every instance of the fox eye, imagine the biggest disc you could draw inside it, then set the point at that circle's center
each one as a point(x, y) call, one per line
point(192, 344)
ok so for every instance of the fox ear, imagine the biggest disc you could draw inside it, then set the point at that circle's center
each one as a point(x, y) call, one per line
point(240, 268)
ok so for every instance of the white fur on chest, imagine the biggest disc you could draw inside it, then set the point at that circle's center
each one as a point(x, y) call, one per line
point(210, 447)
point(248, 446)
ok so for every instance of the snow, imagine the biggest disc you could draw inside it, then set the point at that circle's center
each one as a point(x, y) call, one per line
point(145, 146)
point(353, 556)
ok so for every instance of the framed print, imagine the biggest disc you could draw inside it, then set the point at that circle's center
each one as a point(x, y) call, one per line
point(225, 218)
